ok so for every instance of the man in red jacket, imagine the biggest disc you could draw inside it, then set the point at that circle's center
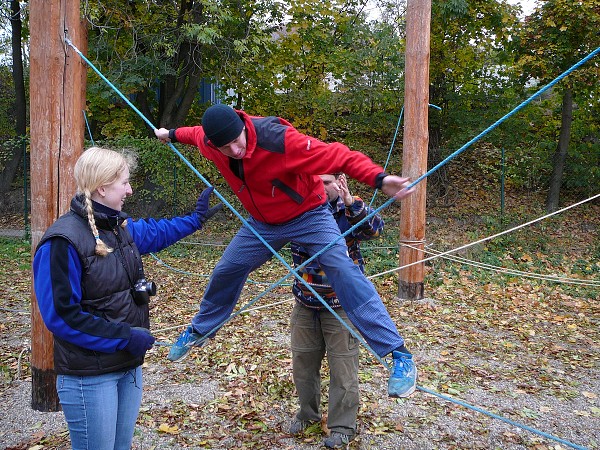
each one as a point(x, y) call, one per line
point(274, 170)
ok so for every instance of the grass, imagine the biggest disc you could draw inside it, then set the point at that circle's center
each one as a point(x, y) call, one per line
point(16, 253)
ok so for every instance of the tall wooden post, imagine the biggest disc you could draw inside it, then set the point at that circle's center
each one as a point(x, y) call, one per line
point(57, 99)
point(416, 140)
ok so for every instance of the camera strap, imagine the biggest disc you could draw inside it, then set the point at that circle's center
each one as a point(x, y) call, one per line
point(121, 257)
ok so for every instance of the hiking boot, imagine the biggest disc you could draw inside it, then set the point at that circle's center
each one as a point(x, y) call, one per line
point(338, 440)
point(403, 380)
point(298, 426)
point(182, 347)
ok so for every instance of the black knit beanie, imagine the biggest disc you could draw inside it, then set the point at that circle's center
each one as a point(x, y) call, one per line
point(221, 124)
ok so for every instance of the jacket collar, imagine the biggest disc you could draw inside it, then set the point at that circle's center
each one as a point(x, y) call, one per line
point(251, 138)
point(106, 218)
point(337, 205)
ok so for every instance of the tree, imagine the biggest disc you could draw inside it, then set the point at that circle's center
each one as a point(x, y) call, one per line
point(556, 36)
point(468, 64)
point(159, 52)
point(324, 64)
point(370, 69)
point(468, 73)
point(20, 106)
point(301, 65)
point(331, 72)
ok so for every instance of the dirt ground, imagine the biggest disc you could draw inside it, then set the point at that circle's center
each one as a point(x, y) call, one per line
point(205, 401)
point(524, 350)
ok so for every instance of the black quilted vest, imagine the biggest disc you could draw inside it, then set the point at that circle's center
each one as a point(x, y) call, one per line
point(105, 285)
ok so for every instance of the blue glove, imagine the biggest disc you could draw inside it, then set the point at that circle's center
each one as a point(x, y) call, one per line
point(202, 210)
point(140, 341)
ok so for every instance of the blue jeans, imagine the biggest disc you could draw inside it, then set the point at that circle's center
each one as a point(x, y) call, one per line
point(313, 230)
point(101, 410)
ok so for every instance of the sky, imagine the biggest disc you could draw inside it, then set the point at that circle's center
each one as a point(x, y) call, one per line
point(526, 5)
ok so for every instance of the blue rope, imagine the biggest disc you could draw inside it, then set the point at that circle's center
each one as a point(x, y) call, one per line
point(392, 145)
point(508, 115)
point(390, 152)
point(503, 419)
point(387, 203)
point(88, 126)
point(458, 152)
point(245, 222)
point(387, 161)
point(472, 141)
point(368, 217)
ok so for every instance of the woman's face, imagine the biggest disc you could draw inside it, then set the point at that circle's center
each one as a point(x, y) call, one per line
point(113, 195)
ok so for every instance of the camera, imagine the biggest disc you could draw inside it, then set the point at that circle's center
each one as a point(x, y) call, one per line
point(142, 290)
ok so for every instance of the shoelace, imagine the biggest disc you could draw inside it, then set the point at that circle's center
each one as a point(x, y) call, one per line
point(401, 367)
point(184, 337)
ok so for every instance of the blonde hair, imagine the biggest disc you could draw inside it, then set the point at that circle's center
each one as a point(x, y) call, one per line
point(97, 167)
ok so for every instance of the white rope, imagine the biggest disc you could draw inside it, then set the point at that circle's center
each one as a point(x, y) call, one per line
point(256, 308)
point(444, 254)
point(500, 269)
point(25, 350)
point(484, 239)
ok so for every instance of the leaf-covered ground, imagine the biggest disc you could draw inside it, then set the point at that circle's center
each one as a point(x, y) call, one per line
point(514, 345)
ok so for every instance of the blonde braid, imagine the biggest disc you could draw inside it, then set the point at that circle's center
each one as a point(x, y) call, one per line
point(101, 248)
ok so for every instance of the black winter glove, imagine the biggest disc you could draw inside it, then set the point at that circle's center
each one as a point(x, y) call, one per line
point(140, 341)
point(202, 210)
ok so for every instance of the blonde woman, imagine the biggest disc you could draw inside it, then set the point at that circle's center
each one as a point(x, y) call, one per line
point(93, 296)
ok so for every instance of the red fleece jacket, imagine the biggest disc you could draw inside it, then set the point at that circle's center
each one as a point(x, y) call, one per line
point(278, 179)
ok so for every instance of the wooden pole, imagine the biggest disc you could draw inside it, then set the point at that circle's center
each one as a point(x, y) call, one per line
point(416, 141)
point(57, 99)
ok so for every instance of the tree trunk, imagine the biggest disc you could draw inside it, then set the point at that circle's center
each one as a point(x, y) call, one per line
point(57, 129)
point(561, 152)
point(11, 167)
point(10, 170)
point(17, 60)
point(416, 141)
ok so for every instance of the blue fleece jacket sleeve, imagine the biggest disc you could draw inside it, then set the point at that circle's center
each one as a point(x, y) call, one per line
point(57, 284)
point(152, 235)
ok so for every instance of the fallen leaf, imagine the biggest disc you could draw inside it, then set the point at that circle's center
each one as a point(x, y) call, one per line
point(165, 428)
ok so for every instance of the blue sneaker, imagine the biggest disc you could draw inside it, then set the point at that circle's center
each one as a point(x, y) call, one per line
point(182, 347)
point(403, 380)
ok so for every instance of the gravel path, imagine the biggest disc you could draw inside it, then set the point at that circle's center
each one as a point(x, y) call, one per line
point(423, 421)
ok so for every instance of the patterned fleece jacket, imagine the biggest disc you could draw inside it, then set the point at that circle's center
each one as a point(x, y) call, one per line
point(346, 217)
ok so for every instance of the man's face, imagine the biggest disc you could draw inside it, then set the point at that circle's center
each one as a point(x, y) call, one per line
point(332, 189)
point(236, 149)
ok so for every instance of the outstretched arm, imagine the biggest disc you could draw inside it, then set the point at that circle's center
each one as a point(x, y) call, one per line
point(57, 283)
